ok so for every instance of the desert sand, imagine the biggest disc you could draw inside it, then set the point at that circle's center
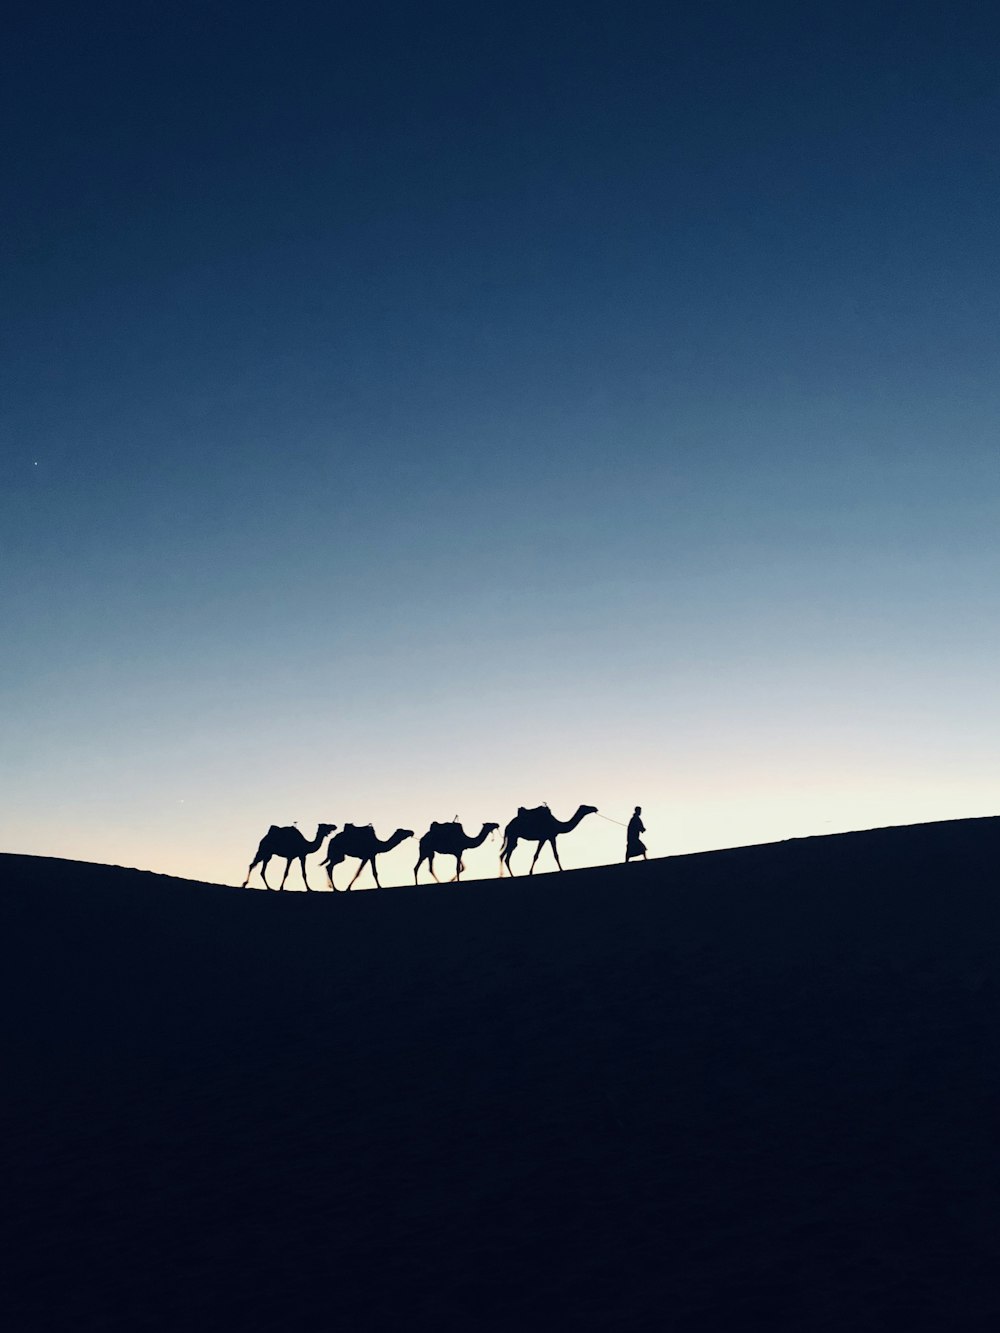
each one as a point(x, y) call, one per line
point(755, 1089)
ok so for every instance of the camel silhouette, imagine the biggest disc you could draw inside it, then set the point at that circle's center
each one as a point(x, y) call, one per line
point(539, 825)
point(448, 840)
point(289, 843)
point(363, 843)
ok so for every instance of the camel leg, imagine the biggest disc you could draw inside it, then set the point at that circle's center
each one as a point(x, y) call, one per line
point(555, 853)
point(374, 867)
point(361, 866)
point(258, 857)
point(263, 871)
point(302, 863)
point(288, 865)
point(538, 852)
point(459, 867)
point(416, 869)
point(505, 856)
point(430, 867)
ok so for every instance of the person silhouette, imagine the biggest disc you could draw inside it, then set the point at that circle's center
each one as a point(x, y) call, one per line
point(634, 845)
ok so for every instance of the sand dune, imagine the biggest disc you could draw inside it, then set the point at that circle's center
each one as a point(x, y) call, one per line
point(741, 1090)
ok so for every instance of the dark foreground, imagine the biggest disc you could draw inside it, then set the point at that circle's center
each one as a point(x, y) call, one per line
point(756, 1089)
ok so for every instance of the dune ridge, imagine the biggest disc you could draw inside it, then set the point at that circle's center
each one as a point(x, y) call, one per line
point(755, 1088)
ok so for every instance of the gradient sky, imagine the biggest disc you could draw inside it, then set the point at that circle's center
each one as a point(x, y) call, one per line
point(412, 410)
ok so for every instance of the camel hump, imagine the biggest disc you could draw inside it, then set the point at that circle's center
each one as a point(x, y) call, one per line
point(523, 811)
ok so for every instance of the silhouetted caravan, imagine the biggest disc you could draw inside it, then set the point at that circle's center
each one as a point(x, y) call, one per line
point(362, 842)
point(289, 843)
point(449, 840)
point(538, 825)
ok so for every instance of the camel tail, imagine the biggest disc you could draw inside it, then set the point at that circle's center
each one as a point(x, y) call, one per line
point(334, 855)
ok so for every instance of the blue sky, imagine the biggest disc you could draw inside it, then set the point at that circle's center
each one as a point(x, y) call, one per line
point(410, 410)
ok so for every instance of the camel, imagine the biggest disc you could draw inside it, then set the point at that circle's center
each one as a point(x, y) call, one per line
point(362, 843)
point(539, 825)
point(448, 840)
point(289, 843)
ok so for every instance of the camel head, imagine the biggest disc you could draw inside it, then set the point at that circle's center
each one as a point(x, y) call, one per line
point(324, 829)
point(491, 828)
point(581, 811)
